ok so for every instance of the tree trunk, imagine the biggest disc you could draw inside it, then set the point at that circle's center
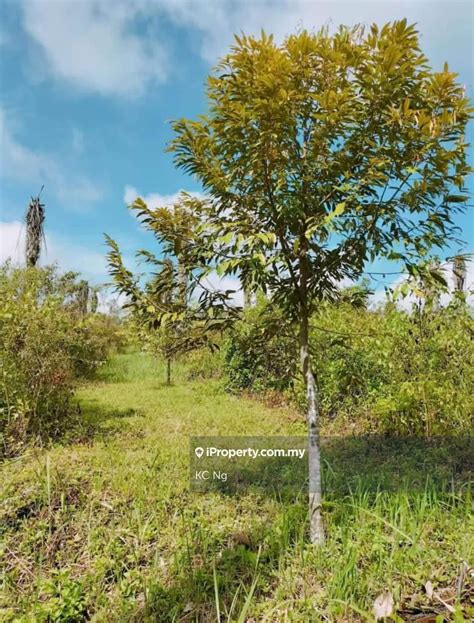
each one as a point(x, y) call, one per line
point(168, 371)
point(314, 451)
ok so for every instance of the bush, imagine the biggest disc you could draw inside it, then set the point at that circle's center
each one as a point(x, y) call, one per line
point(97, 336)
point(46, 344)
point(384, 370)
point(427, 360)
point(261, 351)
point(203, 364)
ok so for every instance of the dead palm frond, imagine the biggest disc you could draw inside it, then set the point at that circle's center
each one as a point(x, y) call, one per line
point(34, 230)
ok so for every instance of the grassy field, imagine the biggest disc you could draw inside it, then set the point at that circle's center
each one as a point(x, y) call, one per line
point(103, 527)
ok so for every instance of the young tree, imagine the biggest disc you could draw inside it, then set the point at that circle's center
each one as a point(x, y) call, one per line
point(318, 156)
point(174, 228)
point(172, 320)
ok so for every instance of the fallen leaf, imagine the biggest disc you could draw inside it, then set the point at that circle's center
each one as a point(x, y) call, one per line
point(432, 594)
point(383, 605)
point(429, 589)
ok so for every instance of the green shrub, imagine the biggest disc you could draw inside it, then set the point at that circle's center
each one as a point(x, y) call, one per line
point(203, 364)
point(261, 351)
point(45, 344)
point(97, 335)
point(427, 356)
point(383, 370)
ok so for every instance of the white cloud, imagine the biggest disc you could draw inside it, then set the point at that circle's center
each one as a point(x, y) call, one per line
point(447, 270)
point(214, 283)
point(77, 193)
point(219, 20)
point(216, 21)
point(68, 255)
point(21, 163)
point(12, 239)
point(110, 301)
point(117, 48)
point(71, 256)
point(219, 284)
point(154, 200)
point(95, 45)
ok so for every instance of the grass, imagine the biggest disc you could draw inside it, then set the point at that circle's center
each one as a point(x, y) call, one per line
point(106, 529)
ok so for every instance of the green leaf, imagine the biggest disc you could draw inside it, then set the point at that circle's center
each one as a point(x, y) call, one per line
point(338, 210)
point(457, 198)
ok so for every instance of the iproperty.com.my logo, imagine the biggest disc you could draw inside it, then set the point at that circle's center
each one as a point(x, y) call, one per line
point(273, 463)
point(252, 453)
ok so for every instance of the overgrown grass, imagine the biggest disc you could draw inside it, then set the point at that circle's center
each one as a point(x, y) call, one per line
point(107, 530)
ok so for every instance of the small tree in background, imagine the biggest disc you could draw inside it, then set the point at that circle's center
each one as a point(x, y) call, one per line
point(176, 309)
point(319, 156)
point(79, 295)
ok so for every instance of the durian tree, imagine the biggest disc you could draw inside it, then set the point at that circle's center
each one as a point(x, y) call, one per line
point(173, 304)
point(318, 156)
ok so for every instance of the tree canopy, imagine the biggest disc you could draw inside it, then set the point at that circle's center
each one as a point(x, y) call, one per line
point(333, 148)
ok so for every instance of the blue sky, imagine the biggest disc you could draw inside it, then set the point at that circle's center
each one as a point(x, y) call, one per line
point(87, 90)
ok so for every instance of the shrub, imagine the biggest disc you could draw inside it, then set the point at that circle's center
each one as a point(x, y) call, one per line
point(428, 357)
point(352, 361)
point(260, 351)
point(46, 344)
point(384, 370)
point(97, 336)
point(203, 363)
